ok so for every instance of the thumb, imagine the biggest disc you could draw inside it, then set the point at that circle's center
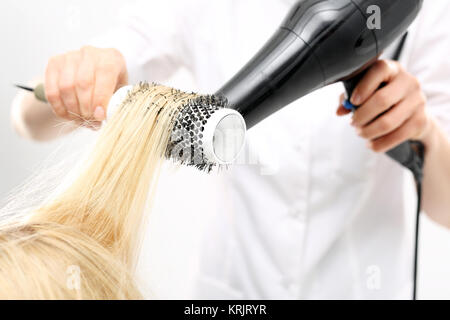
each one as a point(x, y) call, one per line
point(341, 110)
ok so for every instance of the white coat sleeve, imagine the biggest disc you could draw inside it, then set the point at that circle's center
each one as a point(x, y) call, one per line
point(153, 36)
point(429, 58)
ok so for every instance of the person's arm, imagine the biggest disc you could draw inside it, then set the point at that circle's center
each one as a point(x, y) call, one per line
point(436, 183)
point(150, 43)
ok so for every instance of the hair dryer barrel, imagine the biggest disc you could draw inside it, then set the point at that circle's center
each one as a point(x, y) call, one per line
point(261, 88)
point(320, 42)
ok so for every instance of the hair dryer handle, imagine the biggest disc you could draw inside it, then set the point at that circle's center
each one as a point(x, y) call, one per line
point(409, 154)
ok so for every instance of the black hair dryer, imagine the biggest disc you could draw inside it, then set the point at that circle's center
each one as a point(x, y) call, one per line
point(321, 42)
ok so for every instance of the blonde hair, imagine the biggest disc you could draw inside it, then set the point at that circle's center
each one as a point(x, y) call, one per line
point(91, 230)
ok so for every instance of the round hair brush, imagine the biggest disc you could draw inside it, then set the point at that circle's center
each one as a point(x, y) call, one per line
point(205, 133)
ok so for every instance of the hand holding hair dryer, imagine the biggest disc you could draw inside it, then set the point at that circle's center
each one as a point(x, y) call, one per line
point(321, 42)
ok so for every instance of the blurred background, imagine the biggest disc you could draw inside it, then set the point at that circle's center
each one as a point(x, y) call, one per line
point(35, 30)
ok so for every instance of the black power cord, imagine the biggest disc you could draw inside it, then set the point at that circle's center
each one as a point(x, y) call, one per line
point(417, 171)
point(415, 164)
point(416, 238)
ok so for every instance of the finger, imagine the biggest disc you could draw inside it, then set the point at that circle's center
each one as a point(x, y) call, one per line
point(381, 101)
point(122, 78)
point(67, 85)
point(390, 121)
point(382, 71)
point(342, 111)
point(410, 129)
point(52, 87)
point(84, 87)
point(106, 78)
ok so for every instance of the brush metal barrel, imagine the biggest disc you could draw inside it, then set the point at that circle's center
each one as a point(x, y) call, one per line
point(205, 133)
point(212, 136)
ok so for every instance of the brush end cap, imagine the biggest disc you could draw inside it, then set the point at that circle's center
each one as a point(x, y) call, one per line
point(224, 136)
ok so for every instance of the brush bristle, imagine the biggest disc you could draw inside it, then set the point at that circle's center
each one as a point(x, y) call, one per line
point(186, 138)
point(186, 141)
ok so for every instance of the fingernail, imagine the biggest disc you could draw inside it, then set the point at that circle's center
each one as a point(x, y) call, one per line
point(369, 144)
point(356, 99)
point(358, 131)
point(99, 114)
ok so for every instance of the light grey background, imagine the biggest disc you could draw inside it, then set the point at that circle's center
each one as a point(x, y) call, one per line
point(32, 31)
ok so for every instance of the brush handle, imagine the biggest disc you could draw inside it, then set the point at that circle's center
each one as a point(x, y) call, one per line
point(39, 93)
point(409, 154)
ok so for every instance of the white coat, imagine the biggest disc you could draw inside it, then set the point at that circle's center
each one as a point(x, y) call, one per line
point(316, 214)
